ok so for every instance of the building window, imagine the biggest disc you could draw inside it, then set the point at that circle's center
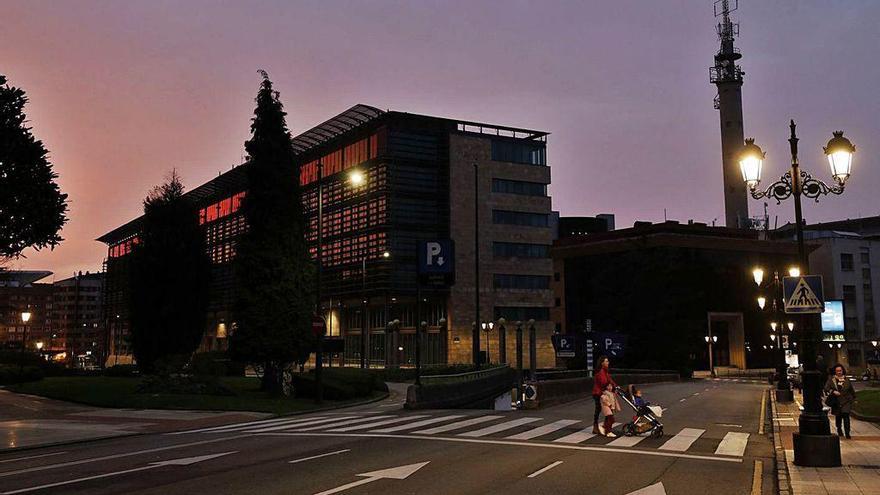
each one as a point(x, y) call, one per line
point(504, 217)
point(866, 257)
point(530, 153)
point(520, 250)
point(528, 282)
point(846, 262)
point(519, 187)
point(522, 313)
point(558, 302)
point(866, 275)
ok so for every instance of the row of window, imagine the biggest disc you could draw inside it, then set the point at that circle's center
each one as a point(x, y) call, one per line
point(342, 159)
point(505, 217)
point(123, 247)
point(220, 209)
point(524, 188)
point(528, 282)
point(530, 153)
point(520, 250)
point(847, 260)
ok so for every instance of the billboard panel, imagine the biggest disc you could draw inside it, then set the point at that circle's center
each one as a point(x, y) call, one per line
point(832, 317)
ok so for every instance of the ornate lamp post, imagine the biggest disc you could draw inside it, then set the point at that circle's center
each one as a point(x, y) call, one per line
point(487, 327)
point(711, 339)
point(774, 285)
point(813, 443)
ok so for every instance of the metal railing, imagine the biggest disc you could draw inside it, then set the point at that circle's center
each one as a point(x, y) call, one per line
point(464, 377)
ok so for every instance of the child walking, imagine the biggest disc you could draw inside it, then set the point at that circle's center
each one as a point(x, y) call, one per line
point(609, 405)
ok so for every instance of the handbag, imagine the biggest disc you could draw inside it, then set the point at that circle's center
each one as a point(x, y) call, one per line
point(832, 400)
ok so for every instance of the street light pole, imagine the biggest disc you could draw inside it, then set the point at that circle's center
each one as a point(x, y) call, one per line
point(813, 443)
point(319, 349)
point(475, 333)
point(711, 339)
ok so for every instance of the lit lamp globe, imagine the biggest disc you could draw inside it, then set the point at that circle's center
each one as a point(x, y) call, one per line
point(25, 316)
point(39, 346)
point(790, 326)
point(773, 326)
point(840, 152)
point(794, 272)
point(758, 275)
point(356, 177)
point(751, 161)
point(762, 302)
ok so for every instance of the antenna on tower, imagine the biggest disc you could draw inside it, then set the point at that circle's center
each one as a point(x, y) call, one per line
point(726, 29)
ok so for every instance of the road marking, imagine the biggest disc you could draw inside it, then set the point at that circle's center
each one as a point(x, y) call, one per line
point(31, 457)
point(458, 425)
point(380, 423)
point(685, 438)
point(734, 443)
point(117, 456)
point(318, 456)
point(342, 423)
point(682, 400)
point(729, 425)
point(696, 393)
point(626, 441)
point(758, 477)
point(519, 443)
point(292, 426)
point(577, 437)
point(545, 469)
point(418, 424)
point(543, 430)
point(482, 432)
point(264, 422)
point(186, 461)
point(397, 473)
point(655, 489)
point(761, 417)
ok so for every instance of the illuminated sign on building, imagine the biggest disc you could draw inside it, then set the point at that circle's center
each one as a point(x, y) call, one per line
point(832, 317)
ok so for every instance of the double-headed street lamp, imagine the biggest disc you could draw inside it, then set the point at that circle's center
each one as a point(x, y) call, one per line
point(774, 285)
point(487, 327)
point(813, 443)
point(711, 339)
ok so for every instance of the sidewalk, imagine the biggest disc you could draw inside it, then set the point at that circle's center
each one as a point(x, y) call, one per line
point(859, 475)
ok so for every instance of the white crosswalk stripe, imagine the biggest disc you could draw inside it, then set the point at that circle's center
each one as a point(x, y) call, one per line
point(482, 432)
point(238, 426)
point(374, 424)
point(280, 427)
point(417, 424)
point(543, 430)
point(458, 425)
point(734, 443)
point(626, 441)
point(685, 438)
point(577, 437)
point(344, 423)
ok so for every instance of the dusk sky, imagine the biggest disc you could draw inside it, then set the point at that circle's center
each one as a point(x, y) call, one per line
point(123, 91)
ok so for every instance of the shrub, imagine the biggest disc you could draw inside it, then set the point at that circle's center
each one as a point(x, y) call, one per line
point(10, 374)
point(121, 371)
point(216, 363)
point(339, 383)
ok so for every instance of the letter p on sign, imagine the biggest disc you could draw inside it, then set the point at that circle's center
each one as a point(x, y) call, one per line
point(433, 250)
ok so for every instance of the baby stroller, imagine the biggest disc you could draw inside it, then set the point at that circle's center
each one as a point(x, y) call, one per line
point(646, 420)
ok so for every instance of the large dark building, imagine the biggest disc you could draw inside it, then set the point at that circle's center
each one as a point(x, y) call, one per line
point(419, 178)
point(78, 320)
point(21, 292)
point(663, 286)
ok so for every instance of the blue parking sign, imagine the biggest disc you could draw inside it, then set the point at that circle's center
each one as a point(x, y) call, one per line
point(436, 257)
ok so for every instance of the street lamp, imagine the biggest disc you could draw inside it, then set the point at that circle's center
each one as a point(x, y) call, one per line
point(783, 386)
point(758, 275)
point(773, 325)
point(813, 443)
point(487, 326)
point(790, 326)
point(762, 301)
point(356, 177)
point(711, 339)
point(794, 272)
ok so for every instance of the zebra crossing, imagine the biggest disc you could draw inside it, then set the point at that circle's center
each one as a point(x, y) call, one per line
point(491, 427)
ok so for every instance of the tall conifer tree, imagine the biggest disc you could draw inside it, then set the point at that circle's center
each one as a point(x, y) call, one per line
point(273, 271)
point(170, 279)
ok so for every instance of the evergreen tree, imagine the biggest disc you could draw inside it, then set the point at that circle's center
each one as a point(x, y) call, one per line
point(273, 272)
point(170, 279)
point(32, 208)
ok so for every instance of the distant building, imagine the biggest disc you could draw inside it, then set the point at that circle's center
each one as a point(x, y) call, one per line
point(579, 226)
point(663, 286)
point(78, 320)
point(848, 258)
point(19, 293)
point(421, 175)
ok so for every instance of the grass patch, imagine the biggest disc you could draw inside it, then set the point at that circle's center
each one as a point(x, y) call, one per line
point(868, 402)
point(119, 392)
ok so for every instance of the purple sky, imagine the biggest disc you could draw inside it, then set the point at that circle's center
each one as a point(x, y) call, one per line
point(121, 92)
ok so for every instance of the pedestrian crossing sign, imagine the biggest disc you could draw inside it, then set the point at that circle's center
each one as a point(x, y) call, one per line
point(803, 294)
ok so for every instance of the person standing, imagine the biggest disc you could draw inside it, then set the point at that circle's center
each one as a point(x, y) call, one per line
point(609, 406)
point(841, 396)
point(601, 379)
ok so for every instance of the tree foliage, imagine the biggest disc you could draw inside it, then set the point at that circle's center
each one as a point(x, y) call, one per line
point(273, 272)
point(32, 207)
point(170, 279)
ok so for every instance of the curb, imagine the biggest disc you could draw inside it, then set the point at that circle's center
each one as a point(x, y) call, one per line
point(8, 450)
point(865, 417)
point(783, 477)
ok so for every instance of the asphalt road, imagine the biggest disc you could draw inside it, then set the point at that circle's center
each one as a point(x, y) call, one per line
point(355, 451)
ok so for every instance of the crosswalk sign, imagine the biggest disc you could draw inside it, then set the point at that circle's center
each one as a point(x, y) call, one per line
point(803, 294)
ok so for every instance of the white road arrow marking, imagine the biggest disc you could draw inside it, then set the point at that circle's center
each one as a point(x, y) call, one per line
point(396, 473)
point(184, 461)
point(655, 489)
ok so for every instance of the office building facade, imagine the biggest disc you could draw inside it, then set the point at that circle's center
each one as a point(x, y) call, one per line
point(420, 178)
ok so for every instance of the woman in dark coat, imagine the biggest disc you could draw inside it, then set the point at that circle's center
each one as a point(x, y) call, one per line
point(601, 378)
point(839, 386)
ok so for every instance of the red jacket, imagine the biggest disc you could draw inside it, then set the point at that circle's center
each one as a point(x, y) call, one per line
point(601, 380)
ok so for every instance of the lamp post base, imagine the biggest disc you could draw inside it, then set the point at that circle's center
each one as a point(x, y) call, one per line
point(784, 396)
point(816, 450)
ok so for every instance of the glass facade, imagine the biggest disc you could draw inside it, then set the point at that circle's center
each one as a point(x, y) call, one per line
point(519, 187)
point(504, 217)
point(529, 153)
point(520, 250)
